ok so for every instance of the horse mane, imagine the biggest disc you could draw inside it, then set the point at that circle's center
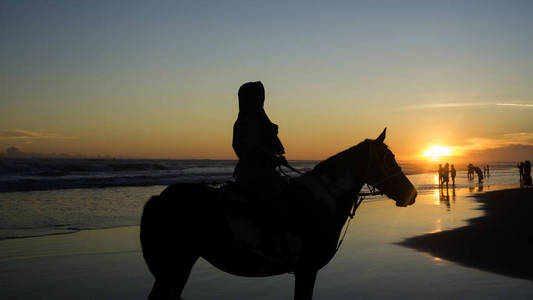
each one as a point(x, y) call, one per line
point(335, 165)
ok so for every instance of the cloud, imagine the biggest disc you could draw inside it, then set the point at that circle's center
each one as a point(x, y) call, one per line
point(471, 104)
point(525, 105)
point(14, 152)
point(520, 138)
point(20, 134)
point(504, 147)
point(505, 153)
point(443, 105)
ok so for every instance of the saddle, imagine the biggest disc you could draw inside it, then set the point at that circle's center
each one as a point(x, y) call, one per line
point(263, 225)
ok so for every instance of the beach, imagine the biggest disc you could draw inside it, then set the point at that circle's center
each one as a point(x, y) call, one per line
point(372, 263)
point(258, 128)
point(500, 241)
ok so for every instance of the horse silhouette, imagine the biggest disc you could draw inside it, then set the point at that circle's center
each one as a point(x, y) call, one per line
point(185, 222)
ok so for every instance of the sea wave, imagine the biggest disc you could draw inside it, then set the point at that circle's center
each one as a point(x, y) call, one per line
point(55, 208)
point(54, 173)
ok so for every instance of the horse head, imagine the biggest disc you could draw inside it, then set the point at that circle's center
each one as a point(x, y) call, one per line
point(384, 173)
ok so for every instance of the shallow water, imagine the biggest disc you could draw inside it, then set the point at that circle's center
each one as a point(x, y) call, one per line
point(107, 264)
point(38, 213)
point(370, 265)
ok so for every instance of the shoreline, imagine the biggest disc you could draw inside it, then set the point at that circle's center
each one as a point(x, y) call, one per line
point(58, 174)
point(108, 264)
point(61, 230)
point(71, 231)
point(500, 241)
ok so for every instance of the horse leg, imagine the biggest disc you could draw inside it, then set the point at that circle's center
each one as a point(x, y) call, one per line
point(170, 284)
point(304, 284)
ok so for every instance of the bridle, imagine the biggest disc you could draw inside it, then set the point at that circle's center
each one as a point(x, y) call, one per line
point(384, 170)
point(373, 191)
point(372, 188)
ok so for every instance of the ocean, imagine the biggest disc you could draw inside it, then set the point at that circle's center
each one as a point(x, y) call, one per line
point(56, 196)
point(83, 217)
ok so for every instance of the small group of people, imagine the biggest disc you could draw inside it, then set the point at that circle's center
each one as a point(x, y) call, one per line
point(525, 173)
point(473, 169)
point(444, 174)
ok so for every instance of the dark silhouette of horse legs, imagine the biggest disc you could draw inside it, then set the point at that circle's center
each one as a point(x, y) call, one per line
point(171, 271)
point(170, 286)
point(304, 284)
point(187, 221)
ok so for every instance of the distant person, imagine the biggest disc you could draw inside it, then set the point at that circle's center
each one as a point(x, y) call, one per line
point(520, 167)
point(453, 173)
point(256, 143)
point(488, 171)
point(441, 174)
point(446, 174)
point(479, 174)
point(470, 173)
point(527, 173)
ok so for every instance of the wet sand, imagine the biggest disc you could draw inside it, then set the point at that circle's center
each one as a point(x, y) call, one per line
point(108, 263)
point(501, 241)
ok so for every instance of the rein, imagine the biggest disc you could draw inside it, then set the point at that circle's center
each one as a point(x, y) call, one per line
point(355, 206)
point(360, 196)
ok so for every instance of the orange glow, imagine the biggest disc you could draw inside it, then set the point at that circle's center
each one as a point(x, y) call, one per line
point(436, 182)
point(437, 152)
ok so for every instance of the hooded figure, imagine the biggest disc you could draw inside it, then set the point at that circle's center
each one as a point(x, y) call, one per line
point(256, 143)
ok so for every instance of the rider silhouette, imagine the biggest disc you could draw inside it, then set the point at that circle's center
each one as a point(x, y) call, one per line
point(256, 143)
point(260, 152)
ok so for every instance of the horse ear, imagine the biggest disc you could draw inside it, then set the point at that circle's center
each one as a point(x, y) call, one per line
point(381, 137)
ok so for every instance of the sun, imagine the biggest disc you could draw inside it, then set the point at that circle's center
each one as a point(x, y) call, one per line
point(437, 152)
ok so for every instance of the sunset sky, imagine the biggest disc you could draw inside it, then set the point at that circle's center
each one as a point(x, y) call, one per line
point(160, 79)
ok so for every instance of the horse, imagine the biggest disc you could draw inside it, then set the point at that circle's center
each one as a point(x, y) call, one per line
point(185, 222)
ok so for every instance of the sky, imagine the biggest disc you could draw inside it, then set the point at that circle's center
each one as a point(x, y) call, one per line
point(159, 79)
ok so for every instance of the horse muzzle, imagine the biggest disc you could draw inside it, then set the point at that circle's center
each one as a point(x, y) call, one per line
point(408, 200)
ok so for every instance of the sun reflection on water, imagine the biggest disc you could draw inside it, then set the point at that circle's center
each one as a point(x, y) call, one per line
point(438, 227)
point(436, 196)
point(436, 179)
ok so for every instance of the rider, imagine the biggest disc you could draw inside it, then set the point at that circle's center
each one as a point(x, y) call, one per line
point(256, 143)
point(260, 152)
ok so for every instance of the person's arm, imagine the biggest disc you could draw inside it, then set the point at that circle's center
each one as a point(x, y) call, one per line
point(277, 146)
point(250, 142)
